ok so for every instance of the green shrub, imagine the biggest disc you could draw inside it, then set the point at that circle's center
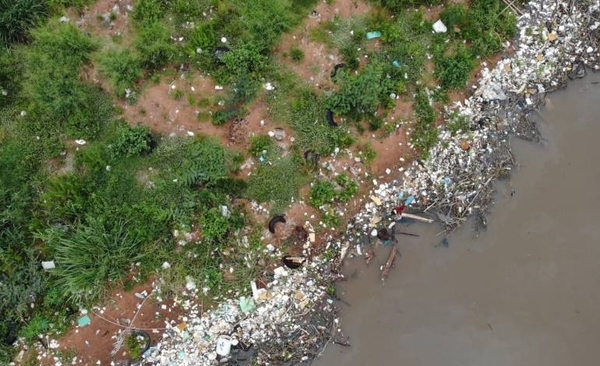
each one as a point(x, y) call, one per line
point(425, 134)
point(454, 70)
point(132, 140)
point(58, 6)
point(35, 327)
point(148, 11)
point(485, 24)
point(304, 111)
point(134, 346)
point(261, 143)
point(214, 225)
point(123, 69)
point(246, 59)
point(17, 17)
point(59, 101)
point(367, 153)
point(223, 116)
point(296, 54)
point(349, 187)
point(364, 93)
point(153, 42)
point(277, 183)
point(194, 162)
point(11, 69)
point(401, 5)
point(94, 254)
point(322, 192)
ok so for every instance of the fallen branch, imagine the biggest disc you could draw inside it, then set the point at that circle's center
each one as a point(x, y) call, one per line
point(389, 263)
point(405, 233)
point(418, 218)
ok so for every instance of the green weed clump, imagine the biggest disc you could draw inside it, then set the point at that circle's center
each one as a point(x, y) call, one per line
point(397, 6)
point(17, 17)
point(277, 183)
point(296, 54)
point(153, 43)
point(260, 144)
point(59, 101)
point(96, 253)
point(132, 140)
point(425, 134)
point(304, 111)
point(324, 192)
point(123, 69)
point(485, 24)
point(454, 70)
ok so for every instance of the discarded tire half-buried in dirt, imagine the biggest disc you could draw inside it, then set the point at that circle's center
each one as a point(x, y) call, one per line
point(311, 157)
point(274, 221)
point(329, 117)
point(334, 71)
point(142, 334)
point(220, 52)
point(293, 262)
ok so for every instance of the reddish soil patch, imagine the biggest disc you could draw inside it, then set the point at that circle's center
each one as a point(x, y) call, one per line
point(179, 105)
point(106, 19)
point(318, 59)
point(96, 341)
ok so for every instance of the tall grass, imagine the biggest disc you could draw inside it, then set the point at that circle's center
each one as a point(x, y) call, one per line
point(123, 69)
point(277, 183)
point(97, 253)
point(17, 17)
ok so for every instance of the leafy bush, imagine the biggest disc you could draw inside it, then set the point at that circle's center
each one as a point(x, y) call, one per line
point(213, 224)
point(132, 140)
point(278, 183)
point(59, 101)
point(57, 6)
point(148, 11)
point(153, 42)
point(484, 24)
point(17, 17)
point(366, 153)
point(322, 192)
point(425, 135)
point(261, 143)
point(36, 326)
point(349, 187)
point(365, 93)
point(123, 69)
point(246, 59)
point(304, 111)
point(401, 5)
point(194, 162)
point(10, 74)
point(454, 70)
point(296, 54)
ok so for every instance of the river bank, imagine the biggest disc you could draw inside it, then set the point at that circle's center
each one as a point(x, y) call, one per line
point(455, 181)
point(521, 292)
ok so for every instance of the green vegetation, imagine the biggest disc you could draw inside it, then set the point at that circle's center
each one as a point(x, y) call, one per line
point(323, 192)
point(424, 136)
point(277, 183)
point(122, 68)
point(296, 54)
point(126, 196)
point(295, 104)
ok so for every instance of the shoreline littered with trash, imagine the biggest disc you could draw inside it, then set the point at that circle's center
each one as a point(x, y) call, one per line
point(290, 319)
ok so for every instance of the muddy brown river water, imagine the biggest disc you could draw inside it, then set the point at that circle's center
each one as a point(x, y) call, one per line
point(524, 292)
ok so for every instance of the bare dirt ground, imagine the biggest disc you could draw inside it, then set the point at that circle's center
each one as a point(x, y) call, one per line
point(123, 311)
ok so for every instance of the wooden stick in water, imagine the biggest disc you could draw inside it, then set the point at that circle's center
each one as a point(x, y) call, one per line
point(388, 264)
point(418, 218)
